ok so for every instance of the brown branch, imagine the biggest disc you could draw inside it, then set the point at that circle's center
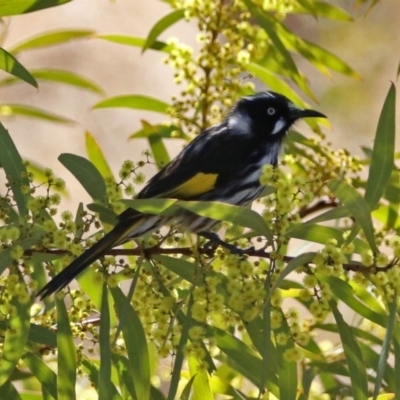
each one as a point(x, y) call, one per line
point(187, 251)
point(319, 206)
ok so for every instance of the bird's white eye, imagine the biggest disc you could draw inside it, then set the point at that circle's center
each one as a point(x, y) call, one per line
point(271, 111)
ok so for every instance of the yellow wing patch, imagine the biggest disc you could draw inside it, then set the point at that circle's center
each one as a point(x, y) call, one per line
point(198, 184)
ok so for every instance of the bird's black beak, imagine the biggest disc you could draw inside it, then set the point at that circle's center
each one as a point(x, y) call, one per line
point(297, 113)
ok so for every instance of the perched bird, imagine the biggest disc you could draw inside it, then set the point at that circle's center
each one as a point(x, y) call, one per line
point(223, 163)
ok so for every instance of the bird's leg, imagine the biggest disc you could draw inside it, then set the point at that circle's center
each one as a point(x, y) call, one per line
point(215, 239)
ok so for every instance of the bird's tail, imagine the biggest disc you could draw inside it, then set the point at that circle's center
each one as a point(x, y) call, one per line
point(116, 236)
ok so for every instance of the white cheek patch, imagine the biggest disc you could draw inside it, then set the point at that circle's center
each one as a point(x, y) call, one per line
point(279, 125)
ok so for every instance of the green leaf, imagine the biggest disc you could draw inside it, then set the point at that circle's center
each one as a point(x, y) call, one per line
point(246, 361)
point(321, 234)
point(136, 344)
point(9, 110)
point(66, 361)
point(44, 374)
point(121, 363)
point(179, 266)
point(96, 156)
point(327, 10)
point(16, 337)
point(11, 65)
point(187, 389)
point(105, 350)
point(287, 376)
point(156, 144)
point(135, 41)
point(384, 353)
point(51, 39)
point(291, 266)
point(152, 206)
point(396, 347)
point(267, 348)
point(344, 292)
point(367, 296)
point(227, 212)
point(12, 7)
point(322, 58)
point(11, 161)
point(382, 161)
point(274, 82)
point(42, 335)
point(60, 76)
point(186, 323)
point(163, 24)
point(358, 207)
point(356, 366)
point(93, 374)
point(137, 102)
point(265, 21)
point(165, 131)
point(316, 55)
point(87, 174)
point(106, 215)
point(335, 213)
point(201, 384)
point(9, 392)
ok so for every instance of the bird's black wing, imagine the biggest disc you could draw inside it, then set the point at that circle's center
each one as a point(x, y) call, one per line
point(199, 167)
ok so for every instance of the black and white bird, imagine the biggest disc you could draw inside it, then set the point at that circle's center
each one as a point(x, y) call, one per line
point(223, 163)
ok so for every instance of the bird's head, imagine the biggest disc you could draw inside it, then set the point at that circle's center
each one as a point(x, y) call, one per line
point(268, 114)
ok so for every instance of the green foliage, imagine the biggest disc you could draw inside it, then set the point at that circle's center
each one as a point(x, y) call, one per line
point(222, 321)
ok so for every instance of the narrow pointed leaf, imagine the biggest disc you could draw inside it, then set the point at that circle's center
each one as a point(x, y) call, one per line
point(15, 339)
point(87, 174)
point(187, 389)
point(344, 292)
point(69, 78)
point(105, 350)
point(297, 262)
point(11, 65)
point(356, 366)
point(9, 392)
point(121, 363)
point(60, 76)
point(287, 376)
point(180, 353)
point(9, 110)
point(8, 7)
point(201, 382)
point(50, 39)
point(327, 10)
point(96, 156)
point(396, 347)
point(66, 377)
point(163, 24)
point(93, 373)
point(44, 374)
point(274, 82)
point(156, 143)
point(227, 212)
point(382, 161)
point(11, 161)
point(265, 23)
point(358, 207)
point(136, 344)
point(384, 353)
point(137, 102)
point(321, 234)
point(135, 41)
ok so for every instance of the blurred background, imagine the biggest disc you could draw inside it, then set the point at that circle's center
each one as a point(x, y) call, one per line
point(370, 44)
